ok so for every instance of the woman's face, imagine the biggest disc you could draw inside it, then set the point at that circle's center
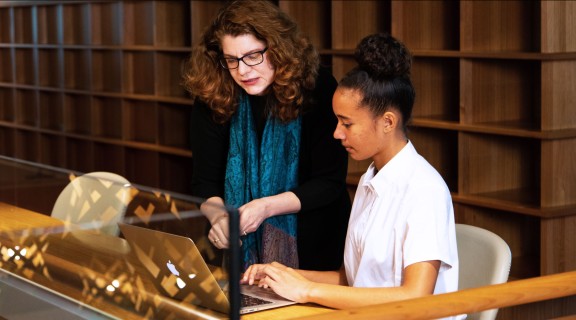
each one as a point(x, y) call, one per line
point(357, 129)
point(255, 80)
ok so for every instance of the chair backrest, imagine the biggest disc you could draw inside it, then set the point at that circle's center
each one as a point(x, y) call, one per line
point(95, 200)
point(485, 259)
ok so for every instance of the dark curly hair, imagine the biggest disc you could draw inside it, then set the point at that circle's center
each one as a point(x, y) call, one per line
point(382, 76)
point(295, 60)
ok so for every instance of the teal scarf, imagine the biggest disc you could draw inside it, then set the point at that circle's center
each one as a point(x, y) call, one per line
point(254, 172)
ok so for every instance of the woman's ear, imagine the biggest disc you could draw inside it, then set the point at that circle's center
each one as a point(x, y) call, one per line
point(389, 121)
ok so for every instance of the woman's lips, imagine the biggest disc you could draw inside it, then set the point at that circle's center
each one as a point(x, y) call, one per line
point(250, 81)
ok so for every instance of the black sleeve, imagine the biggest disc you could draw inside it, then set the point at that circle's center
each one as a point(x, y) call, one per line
point(323, 161)
point(209, 142)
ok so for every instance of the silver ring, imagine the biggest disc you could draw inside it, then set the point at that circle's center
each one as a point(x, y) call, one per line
point(245, 233)
point(216, 240)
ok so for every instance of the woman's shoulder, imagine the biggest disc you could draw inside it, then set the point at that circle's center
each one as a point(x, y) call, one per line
point(325, 80)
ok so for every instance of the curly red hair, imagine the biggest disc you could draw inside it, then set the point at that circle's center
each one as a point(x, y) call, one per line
point(295, 59)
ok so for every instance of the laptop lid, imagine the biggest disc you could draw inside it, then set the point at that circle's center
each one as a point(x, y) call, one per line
point(179, 271)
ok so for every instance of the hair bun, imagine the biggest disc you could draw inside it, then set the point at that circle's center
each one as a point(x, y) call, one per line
point(382, 56)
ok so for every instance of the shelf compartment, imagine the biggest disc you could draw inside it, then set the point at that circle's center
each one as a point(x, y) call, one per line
point(5, 25)
point(174, 174)
point(7, 141)
point(311, 17)
point(352, 22)
point(172, 23)
point(77, 114)
point(49, 24)
point(138, 71)
point(23, 24)
point(49, 68)
point(6, 63)
point(26, 145)
point(26, 107)
point(105, 20)
point(558, 101)
point(25, 66)
point(141, 167)
point(439, 148)
point(107, 117)
point(341, 65)
point(7, 105)
point(79, 155)
point(505, 26)
point(174, 124)
point(557, 23)
point(169, 74)
point(76, 24)
point(427, 25)
point(436, 82)
point(141, 121)
point(202, 14)
point(106, 70)
point(138, 26)
point(77, 69)
point(521, 233)
point(52, 150)
point(500, 169)
point(558, 178)
point(51, 112)
point(108, 157)
point(505, 94)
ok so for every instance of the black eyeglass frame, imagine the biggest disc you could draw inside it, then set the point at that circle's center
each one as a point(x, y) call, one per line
point(224, 64)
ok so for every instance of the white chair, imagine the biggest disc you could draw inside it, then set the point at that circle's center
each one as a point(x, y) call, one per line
point(95, 201)
point(485, 259)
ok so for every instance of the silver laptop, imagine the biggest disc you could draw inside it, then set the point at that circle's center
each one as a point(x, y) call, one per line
point(179, 271)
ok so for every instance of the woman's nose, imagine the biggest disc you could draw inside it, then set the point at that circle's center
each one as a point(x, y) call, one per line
point(338, 134)
point(243, 68)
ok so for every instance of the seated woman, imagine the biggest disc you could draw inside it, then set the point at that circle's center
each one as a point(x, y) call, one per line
point(401, 240)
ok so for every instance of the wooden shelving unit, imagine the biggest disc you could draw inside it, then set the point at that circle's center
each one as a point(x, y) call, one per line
point(95, 85)
point(91, 85)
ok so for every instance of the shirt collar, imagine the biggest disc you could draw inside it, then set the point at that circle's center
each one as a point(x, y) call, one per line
point(393, 173)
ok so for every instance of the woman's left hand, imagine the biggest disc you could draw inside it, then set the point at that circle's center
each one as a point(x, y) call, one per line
point(252, 214)
point(285, 281)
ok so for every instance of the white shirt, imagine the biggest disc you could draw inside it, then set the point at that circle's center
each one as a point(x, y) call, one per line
point(401, 215)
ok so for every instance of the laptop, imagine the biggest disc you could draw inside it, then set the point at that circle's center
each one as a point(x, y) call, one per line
point(179, 271)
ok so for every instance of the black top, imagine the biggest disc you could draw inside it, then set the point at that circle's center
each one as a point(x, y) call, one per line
point(325, 203)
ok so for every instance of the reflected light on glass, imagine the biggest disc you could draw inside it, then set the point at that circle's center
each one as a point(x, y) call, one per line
point(180, 283)
point(116, 283)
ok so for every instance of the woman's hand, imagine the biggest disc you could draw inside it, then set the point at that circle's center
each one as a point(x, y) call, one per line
point(285, 281)
point(252, 214)
point(218, 234)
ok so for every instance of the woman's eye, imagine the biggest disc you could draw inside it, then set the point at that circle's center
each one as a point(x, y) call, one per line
point(252, 57)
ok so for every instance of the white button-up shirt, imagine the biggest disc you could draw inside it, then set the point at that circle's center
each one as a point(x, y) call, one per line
point(401, 215)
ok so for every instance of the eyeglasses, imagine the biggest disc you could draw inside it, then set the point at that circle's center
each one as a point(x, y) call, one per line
point(250, 59)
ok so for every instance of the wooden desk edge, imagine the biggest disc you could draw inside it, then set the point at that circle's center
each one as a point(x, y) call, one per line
point(465, 301)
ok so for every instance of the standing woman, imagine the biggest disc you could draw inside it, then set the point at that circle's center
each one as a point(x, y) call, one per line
point(401, 240)
point(262, 139)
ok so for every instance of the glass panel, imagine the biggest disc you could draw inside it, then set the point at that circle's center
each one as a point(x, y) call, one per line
point(93, 245)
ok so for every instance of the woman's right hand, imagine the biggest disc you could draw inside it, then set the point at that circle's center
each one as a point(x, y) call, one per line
point(219, 235)
point(217, 215)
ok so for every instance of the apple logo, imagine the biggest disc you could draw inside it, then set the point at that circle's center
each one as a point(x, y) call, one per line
point(172, 268)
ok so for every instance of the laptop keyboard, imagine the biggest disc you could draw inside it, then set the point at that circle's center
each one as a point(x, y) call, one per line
point(250, 301)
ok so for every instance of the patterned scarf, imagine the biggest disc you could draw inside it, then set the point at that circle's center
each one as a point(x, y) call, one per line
point(253, 173)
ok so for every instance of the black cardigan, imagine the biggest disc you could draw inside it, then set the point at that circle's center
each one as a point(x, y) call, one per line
point(325, 203)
